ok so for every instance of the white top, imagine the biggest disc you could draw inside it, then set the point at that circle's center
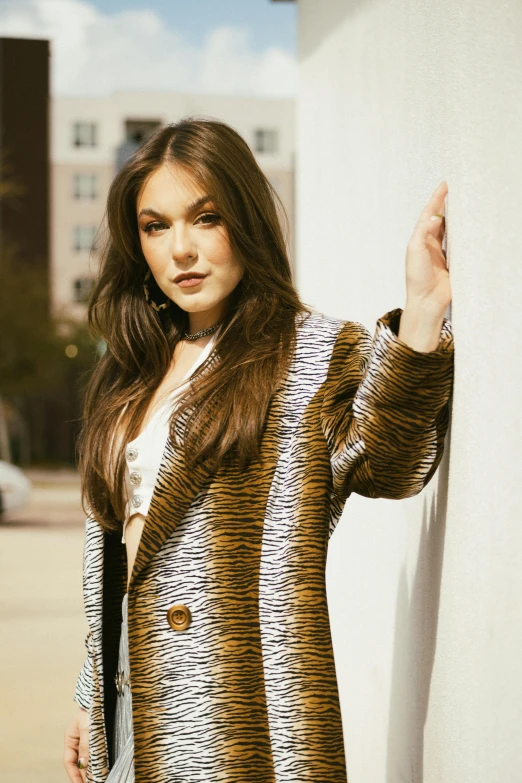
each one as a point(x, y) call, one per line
point(144, 454)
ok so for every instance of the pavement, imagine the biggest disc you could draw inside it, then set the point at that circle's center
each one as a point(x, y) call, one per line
point(54, 501)
point(42, 627)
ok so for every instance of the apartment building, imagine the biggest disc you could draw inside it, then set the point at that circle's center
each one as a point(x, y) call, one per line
point(90, 139)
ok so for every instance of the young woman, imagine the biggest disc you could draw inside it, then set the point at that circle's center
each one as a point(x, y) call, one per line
point(225, 427)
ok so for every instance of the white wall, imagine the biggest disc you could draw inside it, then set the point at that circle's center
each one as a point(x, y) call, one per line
point(425, 593)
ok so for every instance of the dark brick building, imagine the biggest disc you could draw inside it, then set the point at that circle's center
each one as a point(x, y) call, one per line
point(24, 148)
point(43, 415)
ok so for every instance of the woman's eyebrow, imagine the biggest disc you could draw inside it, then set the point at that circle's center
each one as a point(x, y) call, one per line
point(191, 208)
point(149, 213)
point(199, 202)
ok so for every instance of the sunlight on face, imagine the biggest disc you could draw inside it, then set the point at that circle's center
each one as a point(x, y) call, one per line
point(181, 234)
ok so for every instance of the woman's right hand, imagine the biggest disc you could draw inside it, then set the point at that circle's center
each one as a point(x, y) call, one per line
point(77, 746)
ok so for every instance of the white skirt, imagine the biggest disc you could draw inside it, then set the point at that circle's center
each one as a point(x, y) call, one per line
point(123, 769)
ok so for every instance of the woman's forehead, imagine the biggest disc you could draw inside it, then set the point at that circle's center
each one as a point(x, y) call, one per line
point(170, 184)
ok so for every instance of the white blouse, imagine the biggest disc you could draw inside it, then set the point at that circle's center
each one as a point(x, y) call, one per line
point(144, 454)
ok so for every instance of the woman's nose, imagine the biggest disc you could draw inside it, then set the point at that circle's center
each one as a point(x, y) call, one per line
point(182, 248)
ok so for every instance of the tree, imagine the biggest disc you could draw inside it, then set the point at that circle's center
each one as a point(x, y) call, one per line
point(44, 363)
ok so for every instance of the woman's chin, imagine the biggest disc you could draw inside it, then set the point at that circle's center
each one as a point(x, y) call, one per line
point(197, 304)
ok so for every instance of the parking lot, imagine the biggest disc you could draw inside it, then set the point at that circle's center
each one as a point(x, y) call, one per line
point(42, 627)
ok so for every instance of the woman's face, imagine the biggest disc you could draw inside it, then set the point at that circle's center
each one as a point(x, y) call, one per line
point(186, 245)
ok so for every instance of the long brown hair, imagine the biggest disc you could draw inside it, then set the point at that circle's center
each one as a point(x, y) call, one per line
point(226, 409)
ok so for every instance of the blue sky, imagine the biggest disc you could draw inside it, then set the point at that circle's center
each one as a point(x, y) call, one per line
point(270, 23)
point(233, 47)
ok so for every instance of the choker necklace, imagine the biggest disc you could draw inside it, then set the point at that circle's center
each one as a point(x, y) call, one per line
point(201, 333)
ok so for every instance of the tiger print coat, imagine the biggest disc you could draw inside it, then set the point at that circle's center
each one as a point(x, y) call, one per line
point(247, 693)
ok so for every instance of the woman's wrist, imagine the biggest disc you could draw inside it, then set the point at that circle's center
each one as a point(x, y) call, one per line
point(420, 326)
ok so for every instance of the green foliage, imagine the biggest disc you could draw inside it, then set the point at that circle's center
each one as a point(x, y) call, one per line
point(33, 355)
point(45, 363)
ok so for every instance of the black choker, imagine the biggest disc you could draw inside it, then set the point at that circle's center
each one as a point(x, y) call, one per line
point(202, 333)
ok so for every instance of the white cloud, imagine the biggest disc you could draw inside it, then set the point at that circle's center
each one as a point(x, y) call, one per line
point(94, 53)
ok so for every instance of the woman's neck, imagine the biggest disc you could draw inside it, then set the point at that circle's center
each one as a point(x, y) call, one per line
point(204, 319)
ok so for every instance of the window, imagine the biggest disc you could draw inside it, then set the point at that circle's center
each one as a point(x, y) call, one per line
point(137, 131)
point(265, 140)
point(82, 287)
point(85, 134)
point(84, 237)
point(85, 186)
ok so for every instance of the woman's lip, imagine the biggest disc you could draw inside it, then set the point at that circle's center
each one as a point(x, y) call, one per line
point(187, 282)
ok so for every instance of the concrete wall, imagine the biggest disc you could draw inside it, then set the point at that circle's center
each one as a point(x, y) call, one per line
point(424, 593)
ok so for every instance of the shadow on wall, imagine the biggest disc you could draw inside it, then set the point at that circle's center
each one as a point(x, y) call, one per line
point(415, 640)
point(326, 20)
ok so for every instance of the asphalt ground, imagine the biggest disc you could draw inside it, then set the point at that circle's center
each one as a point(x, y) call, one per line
point(42, 627)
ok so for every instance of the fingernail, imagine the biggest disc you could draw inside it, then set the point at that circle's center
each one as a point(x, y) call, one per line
point(82, 763)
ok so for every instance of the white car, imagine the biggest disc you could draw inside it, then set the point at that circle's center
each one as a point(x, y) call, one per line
point(15, 487)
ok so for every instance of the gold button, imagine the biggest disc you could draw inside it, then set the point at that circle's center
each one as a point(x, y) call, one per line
point(179, 617)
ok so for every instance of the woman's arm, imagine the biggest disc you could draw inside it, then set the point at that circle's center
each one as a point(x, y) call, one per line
point(420, 329)
point(386, 403)
point(385, 409)
point(83, 690)
point(76, 741)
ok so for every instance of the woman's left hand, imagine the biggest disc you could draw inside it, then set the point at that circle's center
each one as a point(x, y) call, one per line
point(427, 277)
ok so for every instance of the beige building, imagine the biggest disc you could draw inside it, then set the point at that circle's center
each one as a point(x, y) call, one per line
point(90, 136)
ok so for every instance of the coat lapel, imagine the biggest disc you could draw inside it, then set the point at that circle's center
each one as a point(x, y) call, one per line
point(173, 493)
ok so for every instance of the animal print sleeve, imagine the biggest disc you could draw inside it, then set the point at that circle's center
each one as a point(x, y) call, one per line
point(83, 691)
point(385, 410)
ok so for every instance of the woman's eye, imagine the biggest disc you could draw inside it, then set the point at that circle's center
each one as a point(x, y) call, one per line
point(209, 218)
point(151, 228)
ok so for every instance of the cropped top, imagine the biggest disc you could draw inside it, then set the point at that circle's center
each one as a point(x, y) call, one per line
point(143, 455)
